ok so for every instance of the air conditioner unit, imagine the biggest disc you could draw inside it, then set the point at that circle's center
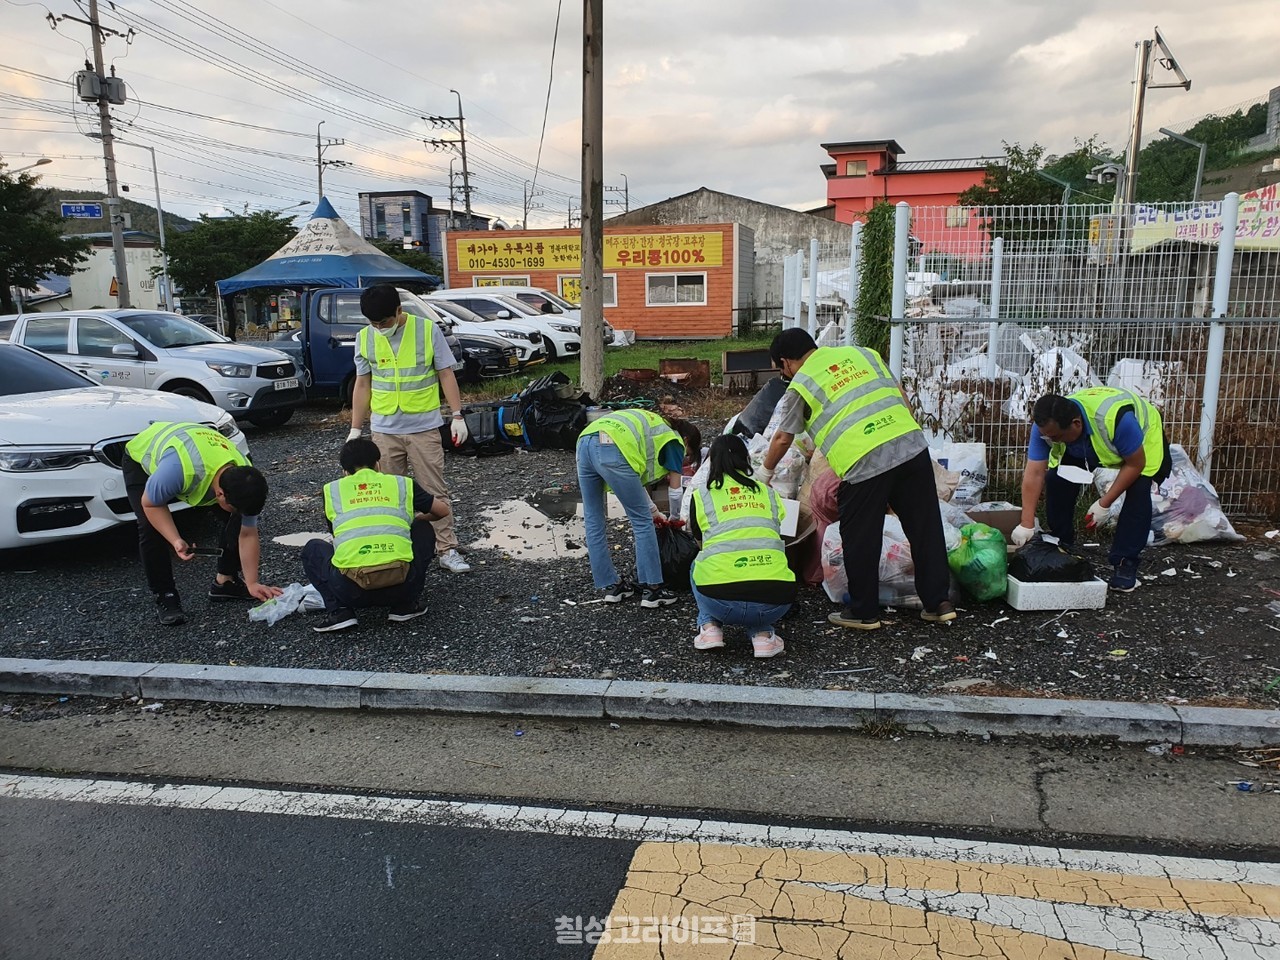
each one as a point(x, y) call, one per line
point(88, 85)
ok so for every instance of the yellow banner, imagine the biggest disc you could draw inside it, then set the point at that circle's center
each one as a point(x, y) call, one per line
point(644, 251)
point(1258, 226)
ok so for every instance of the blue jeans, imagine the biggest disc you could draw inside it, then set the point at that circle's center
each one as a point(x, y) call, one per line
point(600, 464)
point(756, 617)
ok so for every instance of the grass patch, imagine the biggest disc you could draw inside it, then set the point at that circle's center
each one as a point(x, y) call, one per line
point(643, 355)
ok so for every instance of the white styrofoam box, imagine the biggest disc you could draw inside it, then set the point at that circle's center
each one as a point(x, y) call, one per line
point(788, 526)
point(1090, 595)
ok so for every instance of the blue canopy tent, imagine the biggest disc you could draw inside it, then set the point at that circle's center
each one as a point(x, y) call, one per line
point(325, 253)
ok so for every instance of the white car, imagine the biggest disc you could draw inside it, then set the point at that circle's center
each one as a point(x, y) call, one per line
point(530, 345)
point(560, 335)
point(155, 350)
point(62, 440)
point(550, 305)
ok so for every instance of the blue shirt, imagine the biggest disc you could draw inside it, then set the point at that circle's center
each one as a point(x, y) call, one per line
point(671, 456)
point(1128, 439)
point(164, 485)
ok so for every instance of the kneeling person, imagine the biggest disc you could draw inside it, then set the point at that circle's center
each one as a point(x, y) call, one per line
point(382, 541)
point(199, 466)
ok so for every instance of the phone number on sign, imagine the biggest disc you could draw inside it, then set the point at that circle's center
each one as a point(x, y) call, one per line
point(502, 263)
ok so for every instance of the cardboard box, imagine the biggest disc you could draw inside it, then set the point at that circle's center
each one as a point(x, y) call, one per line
point(1003, 519)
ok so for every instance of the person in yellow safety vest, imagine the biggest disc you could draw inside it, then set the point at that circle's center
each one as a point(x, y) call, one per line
point(199, 466)
point(403, 364)
point(740, 576)
point(627, 451)
point(1096, 427)
point(856, 413)
point(382, 541)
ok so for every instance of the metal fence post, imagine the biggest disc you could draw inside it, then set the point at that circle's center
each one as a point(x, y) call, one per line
point(786, 292)
point(1217, 332)
point(997, 271)
point(901, 242)
point(855, 280)
point(813, 286)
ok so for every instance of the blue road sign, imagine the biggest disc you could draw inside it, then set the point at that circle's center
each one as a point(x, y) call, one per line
point(82, 211)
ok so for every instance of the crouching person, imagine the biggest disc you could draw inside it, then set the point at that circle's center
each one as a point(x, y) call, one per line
point(382, 541)
point(740, 576)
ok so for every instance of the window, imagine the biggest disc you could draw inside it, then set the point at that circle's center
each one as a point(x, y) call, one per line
point(957, 216)
point(380, 221)
point(96, 337)
point(571, 288)
point(500, 282)
point(24, 372)
point(675, 289)
point(406, 219)
point(855, 168)
point(341, 311)
point(48, 334)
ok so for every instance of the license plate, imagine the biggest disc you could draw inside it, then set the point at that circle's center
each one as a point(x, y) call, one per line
point(288, 384)
point(513, 361)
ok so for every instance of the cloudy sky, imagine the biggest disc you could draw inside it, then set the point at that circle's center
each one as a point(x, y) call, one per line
point(735, 95)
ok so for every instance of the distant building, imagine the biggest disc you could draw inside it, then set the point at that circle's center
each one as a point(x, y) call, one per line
point(864, 172)
point(410, 217)
point(1271, 136)
point(93, 282)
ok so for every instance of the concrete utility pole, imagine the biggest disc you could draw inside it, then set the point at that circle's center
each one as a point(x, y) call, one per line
point(458, 123)
point(592, 374)
point(321, 162)
point(1141, 84)
point(109, 160)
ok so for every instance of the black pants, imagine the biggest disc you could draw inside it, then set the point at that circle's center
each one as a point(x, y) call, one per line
point(1132, 526)
point(157, 560)
point(909, 489)
point(340, 592)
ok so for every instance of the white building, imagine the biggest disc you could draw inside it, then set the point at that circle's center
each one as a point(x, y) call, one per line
point(92, 283)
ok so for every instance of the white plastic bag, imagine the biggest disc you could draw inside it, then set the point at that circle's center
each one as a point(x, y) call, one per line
point(276, 609)
point(969, 460)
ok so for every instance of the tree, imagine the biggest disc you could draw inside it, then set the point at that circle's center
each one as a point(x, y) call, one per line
point(414, 257)
point(875, 279)
point(1167, 167)
point(220, 247)
point(31, 241)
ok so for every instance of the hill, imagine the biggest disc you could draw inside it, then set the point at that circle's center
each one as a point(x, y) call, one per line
point(141, 214)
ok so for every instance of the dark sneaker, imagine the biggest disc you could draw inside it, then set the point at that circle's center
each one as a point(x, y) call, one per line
point(655, 597)
point(846, 618)
point(622, 590)
point(231, 590)
point(401, 614)
point(943, 614)
point(169, 608)
point(335, 620)
point(1124, 579)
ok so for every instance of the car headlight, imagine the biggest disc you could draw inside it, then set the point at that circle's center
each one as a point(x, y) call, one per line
point(230, 369)
point(226, 425)
point(564, 327)
point(33, 459)
point(511, 334)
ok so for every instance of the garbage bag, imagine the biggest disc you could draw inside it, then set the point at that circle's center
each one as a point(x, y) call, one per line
point(1041, 561)
point(276, 609)
point(676, 550)
point(980, 562)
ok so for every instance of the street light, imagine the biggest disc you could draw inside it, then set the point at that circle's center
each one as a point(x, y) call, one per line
point(31, 166)
point(1195, 191)
point(1066, 199)
point(164, 249)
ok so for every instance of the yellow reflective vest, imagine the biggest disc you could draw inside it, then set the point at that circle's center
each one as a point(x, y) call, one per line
point(202, 451)
point(740, 538)
point(402, 380)
point(1102, 408)
point(371, 515)
point(640, 437)
point(855, 404)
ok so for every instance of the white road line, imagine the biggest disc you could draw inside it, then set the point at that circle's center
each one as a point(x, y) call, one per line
point(602, 825)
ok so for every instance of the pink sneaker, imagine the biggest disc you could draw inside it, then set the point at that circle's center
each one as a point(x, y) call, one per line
point(767, 644)
point(710, 637)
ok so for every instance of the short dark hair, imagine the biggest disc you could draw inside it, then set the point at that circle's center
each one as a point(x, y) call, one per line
point(791, 344)
point(359, 454)
point(245, 488)
point(1054, 408)
point(380, 302)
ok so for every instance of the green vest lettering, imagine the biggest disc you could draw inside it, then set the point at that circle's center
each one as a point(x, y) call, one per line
point(740, 539)
point(371, 515)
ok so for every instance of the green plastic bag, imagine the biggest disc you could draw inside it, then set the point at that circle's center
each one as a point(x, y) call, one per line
point(980, 562)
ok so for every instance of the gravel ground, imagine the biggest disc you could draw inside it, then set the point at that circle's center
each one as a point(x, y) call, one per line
point(1203, 634)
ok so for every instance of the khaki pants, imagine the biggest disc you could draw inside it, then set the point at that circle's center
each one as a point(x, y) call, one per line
point(423, 455)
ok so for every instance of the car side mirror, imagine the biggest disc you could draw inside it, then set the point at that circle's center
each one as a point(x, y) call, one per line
point(124, 350)
point(502, 315)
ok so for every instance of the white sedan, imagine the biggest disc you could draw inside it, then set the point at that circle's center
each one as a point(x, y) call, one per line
point(62, 440)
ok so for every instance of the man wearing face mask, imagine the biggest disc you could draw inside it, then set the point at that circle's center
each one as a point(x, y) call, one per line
point(403, 363)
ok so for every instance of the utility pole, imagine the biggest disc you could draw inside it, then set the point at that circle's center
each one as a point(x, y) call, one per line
point(457, 123)
point(624, 190)
point(529, 194)
point(109, 159)
point(453, 219)
point(592, 368)
point(321, 162)
point(1141, 84)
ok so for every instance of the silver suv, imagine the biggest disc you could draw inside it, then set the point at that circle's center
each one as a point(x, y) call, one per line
point(153, 350)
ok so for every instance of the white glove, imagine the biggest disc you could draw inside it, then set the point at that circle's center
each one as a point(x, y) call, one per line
point(1022, 535)
point(1097, 516)
point(459, 430)
point(655, 512)
point(674, 498)
point(354, 434)
point(763, 474)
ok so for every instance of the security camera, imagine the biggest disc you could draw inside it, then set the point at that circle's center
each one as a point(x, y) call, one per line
point(1105, 173)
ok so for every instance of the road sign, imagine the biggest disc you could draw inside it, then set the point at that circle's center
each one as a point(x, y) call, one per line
point(115, 288)
point(82, 211)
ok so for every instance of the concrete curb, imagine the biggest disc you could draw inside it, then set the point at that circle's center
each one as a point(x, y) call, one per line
point(772, 707)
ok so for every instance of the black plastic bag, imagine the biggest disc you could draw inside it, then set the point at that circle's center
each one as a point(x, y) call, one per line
point(1039, 561)
point(676, 550)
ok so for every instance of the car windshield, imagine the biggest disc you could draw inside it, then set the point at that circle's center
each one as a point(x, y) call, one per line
point(412, 303)
point(25, 371)
point(518, 309)
point(458, 310)
point(168, 330)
